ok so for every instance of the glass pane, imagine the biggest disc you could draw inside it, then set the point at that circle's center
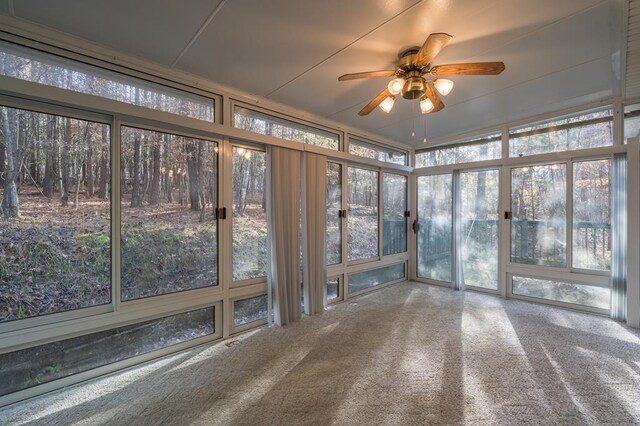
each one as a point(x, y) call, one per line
point(591, 215)
point(577, 294)
point(489, 149)
point(333, 289)
point(363, 280)
point(376, 152)
point(363, 214)
point(584, 130)
point(631, 121)
point(334, 205)
point(250, 310)
point(394, 221)
point(539, 214)
point(42, 364)
point(265, 124)
point(55, 228)
point(479, 194)
point(249, 214)
point(168, 192)
point(435, 217)
point(39, 67)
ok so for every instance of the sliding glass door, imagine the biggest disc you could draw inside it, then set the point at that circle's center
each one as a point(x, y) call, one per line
point(479, 196)
point(476, 200)
point(561, 227)
point(434, 227)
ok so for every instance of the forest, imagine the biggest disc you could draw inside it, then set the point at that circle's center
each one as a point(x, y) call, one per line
point(56, 233)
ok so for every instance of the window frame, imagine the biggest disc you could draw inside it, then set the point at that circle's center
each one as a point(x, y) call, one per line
point(236, 103)
point(235, 143)
point(236, 329)
point(363, 141)
point(114, 67)
point(175, 132)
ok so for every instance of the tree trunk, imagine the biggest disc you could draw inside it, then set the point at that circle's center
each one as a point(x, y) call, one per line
point(481, 189)
point(89, 167)
point(154, 196)
point(64, 195)
point(194, 179)
point(201, 180)
point(3, 155)
point(104, 164)
point(10, 202)
point(169, 173)
point(136, 201)
point(48, 182)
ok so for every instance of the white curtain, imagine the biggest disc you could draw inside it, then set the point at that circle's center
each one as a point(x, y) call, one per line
point(619, 237)
point(284, 226)
point(314, 207)
point(457, 271)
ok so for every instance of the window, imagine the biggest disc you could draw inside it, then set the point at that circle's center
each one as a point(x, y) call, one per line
point(38, 67)
point(631, 121)
point(250, 310)
point(333, 218)
point(168, 198)
point(538, 206)
point(592, 215)
point(362, 240)
point(333, 289)
point(479, 194)
point(362, 280)
point(249, 214)
point(565, 292)
point(271, 125)
point(42, 364)
point(435, 216)
point(580, 131)
point(55, 238)
point(394, 220)
point(486, 148)
point(376, 152)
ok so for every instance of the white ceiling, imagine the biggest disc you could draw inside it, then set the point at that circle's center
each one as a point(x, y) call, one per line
point(558, 53)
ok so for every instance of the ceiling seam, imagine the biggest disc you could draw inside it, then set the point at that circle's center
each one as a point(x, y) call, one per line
point(496, 91)
point(343, 48)
point(198, 33)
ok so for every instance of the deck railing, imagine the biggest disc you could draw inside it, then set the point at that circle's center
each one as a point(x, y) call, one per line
point(534, 242)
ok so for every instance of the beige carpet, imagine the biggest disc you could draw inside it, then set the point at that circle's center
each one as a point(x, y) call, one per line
point(407, 354)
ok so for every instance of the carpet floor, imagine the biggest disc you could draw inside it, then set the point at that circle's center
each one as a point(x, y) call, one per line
point(406, 354)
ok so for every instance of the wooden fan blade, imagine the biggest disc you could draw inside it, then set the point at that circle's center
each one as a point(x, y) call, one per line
point(435, 98)
point(431, 47)
point(375, 102)
point(475, 68)
point(367, 74)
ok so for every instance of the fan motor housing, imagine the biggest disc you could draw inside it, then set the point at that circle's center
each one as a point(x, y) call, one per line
point(414, 87)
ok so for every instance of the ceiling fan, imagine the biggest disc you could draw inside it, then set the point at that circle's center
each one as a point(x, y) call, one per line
point(409, 81)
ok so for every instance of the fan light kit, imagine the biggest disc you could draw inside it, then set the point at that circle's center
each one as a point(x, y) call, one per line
point(409, 82)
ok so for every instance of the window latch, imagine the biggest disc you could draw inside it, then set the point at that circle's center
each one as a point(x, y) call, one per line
point(221, 213)
point(415, 226)
point(407, 213)
point(507, 215)
point(342, 214)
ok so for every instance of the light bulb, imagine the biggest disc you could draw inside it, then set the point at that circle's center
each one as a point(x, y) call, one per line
point(424, 140)
point(395, 86)
point(413, 134)
point(443, 86)
point(426, 105)
point(387, 104)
